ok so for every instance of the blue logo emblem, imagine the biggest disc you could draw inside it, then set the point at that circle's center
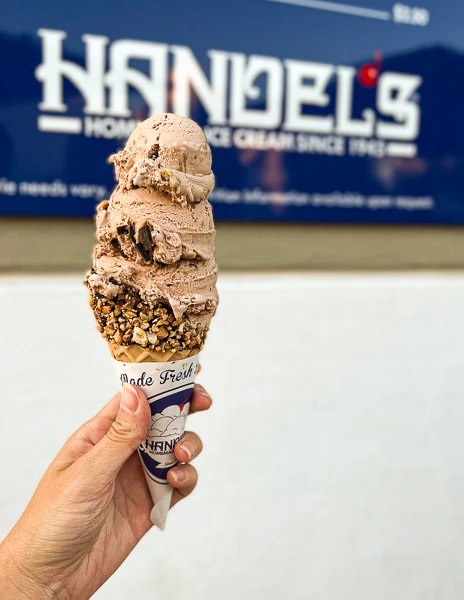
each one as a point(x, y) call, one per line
point(168, 416)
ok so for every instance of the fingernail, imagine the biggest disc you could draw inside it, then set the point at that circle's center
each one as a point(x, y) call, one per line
point(129, 398)
point(188, 448)
point(202, 390)
point(178, 475)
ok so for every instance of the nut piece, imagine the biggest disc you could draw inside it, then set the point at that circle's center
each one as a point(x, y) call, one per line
point(152, 338)
point(163, 333)
point(140, 337)
point(127, 319)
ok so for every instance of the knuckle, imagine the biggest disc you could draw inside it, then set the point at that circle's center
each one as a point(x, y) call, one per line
point(122, 430)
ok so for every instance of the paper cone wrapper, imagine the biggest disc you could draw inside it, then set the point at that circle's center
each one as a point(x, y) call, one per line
point(168, 387)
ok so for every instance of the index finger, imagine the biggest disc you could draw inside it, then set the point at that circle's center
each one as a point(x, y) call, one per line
point(201, 400)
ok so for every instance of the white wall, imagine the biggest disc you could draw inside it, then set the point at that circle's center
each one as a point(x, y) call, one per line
point(333, 466)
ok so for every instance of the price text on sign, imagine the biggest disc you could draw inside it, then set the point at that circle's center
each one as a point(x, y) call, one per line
point(410, 15)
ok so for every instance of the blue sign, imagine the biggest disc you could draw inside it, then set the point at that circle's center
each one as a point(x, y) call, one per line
point(346, 111)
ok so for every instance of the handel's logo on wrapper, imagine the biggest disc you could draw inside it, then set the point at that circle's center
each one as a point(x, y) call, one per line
point(169, 388)
point(167, 428)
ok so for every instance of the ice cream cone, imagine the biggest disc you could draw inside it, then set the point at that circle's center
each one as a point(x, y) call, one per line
point(153, 280)
point(168, 386)
point(136, 354)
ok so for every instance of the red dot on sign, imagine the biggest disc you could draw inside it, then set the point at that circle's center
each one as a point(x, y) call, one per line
point(368, 74)
point(181, 406)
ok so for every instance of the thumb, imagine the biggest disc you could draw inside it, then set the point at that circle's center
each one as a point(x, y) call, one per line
point(127, 431)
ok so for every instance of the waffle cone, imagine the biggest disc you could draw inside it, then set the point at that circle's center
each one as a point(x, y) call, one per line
point(136, 354)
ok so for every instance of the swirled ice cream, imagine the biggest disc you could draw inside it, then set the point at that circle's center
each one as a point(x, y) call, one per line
point(153, 281)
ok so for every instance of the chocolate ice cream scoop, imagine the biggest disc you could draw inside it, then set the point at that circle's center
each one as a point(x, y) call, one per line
point(168, 153)
point(154, 270)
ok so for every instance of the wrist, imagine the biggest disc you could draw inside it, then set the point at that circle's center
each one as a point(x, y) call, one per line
point(19, 582)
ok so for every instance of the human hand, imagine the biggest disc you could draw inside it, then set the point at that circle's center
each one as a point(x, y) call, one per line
point(92, 506)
